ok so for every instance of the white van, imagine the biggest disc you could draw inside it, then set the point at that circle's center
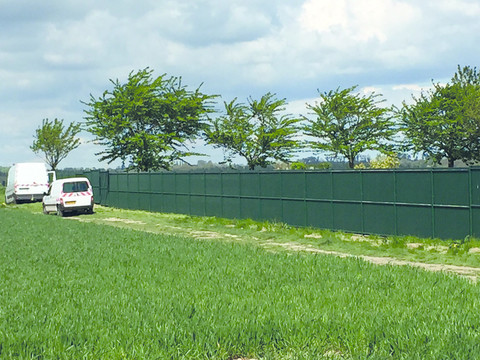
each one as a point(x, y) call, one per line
point(68, 196)
point(27, 182)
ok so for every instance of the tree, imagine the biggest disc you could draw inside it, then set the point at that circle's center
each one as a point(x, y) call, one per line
point(147, 121)
point(348, 123)
point(257, 131)
point(55, 141)
point(444, 122)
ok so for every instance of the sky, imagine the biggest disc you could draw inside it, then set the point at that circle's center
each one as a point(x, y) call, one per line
point(54, 54)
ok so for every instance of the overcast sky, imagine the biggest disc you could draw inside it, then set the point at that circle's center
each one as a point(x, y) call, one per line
point(55, 53)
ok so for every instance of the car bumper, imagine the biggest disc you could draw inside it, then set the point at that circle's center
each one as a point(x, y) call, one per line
point(85, 208)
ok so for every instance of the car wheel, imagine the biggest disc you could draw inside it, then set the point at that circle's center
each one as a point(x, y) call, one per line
point(60, 212)
point(45, 210)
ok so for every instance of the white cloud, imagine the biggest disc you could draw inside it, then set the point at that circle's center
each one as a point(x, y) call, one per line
point(467, 8)
point(357, 20)
point(367, 90)
point(409, 87)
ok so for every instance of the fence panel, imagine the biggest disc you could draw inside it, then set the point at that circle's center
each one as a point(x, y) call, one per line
point(294, 212)
point(414, 220)
point(414, 187)
point(94, 178)
point(270, 185)
point(379, 219)
point(446, 187)
point(250, 184)
point(103, 187)
point(441, 203)
point(475, 201)
point(378, 186)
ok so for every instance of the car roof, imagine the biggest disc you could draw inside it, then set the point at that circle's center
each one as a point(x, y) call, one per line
point(67, 180)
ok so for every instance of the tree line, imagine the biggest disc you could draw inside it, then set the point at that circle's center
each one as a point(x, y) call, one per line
point(148, 123)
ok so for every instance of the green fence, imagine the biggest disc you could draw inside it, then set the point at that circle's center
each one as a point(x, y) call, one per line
point(443, 203)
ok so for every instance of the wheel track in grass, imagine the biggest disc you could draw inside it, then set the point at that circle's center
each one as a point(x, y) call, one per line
point(471, 273)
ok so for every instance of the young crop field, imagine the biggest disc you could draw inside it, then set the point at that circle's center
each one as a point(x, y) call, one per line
point(82, 290)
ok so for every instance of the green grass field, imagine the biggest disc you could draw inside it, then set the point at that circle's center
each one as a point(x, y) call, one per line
point(80, 290)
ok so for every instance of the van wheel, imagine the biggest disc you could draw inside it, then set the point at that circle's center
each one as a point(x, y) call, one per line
point(45, 210)
point(60, 212)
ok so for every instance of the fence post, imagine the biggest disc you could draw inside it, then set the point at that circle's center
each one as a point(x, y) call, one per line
point(259, 196)
point(395, 208)
point(362, 200)
point(332, 206)
point(432, 184)
point(282, 176)
point(470, 201)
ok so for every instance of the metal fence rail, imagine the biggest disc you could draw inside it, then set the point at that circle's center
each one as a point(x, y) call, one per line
point(443, 203)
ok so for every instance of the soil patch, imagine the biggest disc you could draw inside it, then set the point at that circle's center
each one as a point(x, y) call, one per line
point(125, 221)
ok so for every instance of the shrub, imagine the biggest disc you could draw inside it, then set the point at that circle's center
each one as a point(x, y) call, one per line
point(323, 165)
point(298, 166)
point(389, 161)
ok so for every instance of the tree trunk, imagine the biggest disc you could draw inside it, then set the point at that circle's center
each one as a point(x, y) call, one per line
point(451, 162)
point(351, 163)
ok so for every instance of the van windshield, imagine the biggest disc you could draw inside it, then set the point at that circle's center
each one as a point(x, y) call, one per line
point(77, 186)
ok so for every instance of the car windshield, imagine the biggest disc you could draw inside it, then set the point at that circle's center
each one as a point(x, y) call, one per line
point(77, 186)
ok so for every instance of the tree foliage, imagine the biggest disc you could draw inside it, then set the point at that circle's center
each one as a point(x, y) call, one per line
point(147, 121)
point(444, 122)
point(257, 131)
point(385, 161)
point(55, 141)
point(348, 123)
